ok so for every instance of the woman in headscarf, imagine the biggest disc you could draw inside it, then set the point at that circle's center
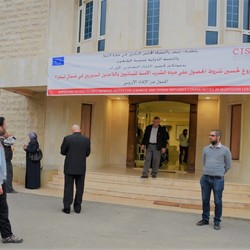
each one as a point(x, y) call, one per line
point(33, 173)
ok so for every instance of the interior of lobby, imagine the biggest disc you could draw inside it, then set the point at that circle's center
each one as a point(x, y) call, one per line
point(174, 117)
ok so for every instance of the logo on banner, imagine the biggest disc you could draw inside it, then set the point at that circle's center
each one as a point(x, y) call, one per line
point(57, 61)
point(241, 51)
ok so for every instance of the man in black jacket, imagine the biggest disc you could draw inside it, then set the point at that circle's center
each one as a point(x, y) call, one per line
point(155, 141)
point(76, 148)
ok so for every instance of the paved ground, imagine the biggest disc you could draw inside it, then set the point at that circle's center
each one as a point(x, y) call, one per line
point(39, 220)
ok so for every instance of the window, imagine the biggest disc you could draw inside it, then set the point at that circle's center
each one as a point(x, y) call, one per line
point(211, 37)
point(212, 28)
point(101, 45)
point(246, 21)
point(235, 131)
point(212, 12)
point(88, 20)
point(153, 16)
point(101, 40)
point(79, 33)
point(246, 38)
point(80, 26)
point(232, 13)
point(103, 18)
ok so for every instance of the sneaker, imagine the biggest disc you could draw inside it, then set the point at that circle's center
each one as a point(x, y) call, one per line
point(217, 226)
point(12, 239)
point(202, 222)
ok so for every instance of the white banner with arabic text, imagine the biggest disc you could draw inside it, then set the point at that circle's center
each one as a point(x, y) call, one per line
point(213, 70)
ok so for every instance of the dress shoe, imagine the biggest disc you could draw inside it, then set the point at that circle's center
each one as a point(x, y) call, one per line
point(153, 175)
point(77, 210)
point(66, 210)
point(217, 226)
point(202, 222)
point(144, 176)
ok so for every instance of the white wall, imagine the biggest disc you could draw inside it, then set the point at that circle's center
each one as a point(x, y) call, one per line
point(119, 133)
point(62, 27)
point(207, 119)
point(241, 167)
point(108, 130)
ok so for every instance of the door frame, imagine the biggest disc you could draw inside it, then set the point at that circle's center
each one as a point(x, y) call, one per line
point(134, 101)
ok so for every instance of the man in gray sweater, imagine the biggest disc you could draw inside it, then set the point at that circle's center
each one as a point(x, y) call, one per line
point(217, 160)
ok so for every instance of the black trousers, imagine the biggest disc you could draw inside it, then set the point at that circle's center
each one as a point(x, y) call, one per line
point(69, 181)
point(183, 150)
point(5, 227)
point(9, 179)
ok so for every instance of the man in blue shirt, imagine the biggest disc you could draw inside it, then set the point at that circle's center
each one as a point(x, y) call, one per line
point(217, 160)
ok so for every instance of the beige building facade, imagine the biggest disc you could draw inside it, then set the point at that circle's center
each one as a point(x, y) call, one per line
point(32, 31)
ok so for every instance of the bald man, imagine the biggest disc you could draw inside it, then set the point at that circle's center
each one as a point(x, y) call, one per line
point(76, 148)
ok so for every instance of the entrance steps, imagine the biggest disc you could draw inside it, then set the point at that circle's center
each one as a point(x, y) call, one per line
point(160, 192)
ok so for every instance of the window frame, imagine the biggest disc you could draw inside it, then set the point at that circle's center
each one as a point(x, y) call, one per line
point(238, 15)
point(102, 35)
point(215, 28)
point(245, 32)
point(153, 24)
point(85, 38)
point(79, 26)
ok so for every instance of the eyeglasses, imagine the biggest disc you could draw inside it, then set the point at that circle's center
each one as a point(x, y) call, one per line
point(212, 135)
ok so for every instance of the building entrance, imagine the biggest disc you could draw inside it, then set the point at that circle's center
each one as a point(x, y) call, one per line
point(142, 109)
point(174, 118)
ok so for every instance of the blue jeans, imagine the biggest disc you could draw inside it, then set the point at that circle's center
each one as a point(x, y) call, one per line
point(207, 185)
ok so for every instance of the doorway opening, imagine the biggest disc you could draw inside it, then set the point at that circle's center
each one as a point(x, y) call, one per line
point(174, 117)
point(134, 101)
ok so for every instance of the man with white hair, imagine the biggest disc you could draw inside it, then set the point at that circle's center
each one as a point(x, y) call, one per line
point(76, 148)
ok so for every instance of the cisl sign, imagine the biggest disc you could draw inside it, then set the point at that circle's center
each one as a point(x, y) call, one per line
point(241, 51)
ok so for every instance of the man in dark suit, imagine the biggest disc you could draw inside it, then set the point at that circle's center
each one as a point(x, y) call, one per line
point(155, 141)
point(76, 148)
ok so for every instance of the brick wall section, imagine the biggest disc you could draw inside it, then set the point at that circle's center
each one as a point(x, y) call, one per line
point(23, 32)
point(23, 28)
point(23, 115)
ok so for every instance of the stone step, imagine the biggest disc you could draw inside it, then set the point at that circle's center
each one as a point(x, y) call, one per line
point(161, 182)
point(160, 191)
